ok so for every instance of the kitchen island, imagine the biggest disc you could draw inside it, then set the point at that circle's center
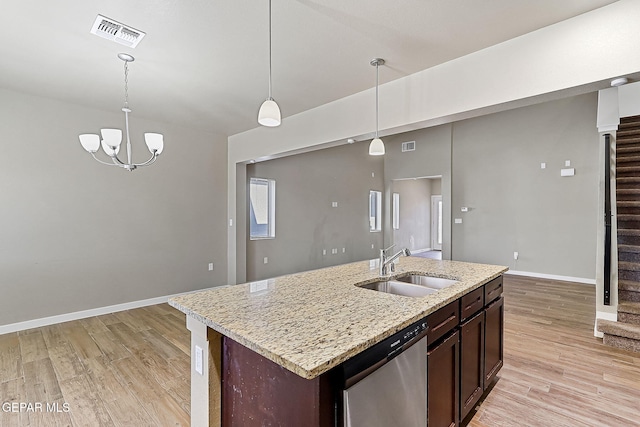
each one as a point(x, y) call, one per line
point(306, 323)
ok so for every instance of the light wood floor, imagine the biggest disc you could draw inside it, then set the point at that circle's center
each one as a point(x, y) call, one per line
point(556, 373)
point(132, 368)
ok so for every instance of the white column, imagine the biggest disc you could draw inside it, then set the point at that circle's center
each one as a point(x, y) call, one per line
point(206, 374)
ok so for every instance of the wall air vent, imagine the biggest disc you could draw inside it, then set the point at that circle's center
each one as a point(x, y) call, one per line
point(113, 30)
point(409, 146)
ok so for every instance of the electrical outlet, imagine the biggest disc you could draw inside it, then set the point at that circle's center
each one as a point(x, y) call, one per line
point(266, 260)
point(324, 252)
point(334, 204)
point(372, 247)
point(516, 255)
point(210, 266)
point(543, 165)
point(344, 250)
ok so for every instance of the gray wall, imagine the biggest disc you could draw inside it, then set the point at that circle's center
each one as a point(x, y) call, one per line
point(78, 235)
point(415, 213)
point(517, 206)
point(306, 184)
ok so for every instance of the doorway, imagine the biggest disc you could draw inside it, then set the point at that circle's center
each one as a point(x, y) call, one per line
point(436, 223)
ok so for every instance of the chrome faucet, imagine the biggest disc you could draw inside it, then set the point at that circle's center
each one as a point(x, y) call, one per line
point(386, 263)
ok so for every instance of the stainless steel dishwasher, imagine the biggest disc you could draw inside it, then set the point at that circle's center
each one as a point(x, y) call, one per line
point(386, 385)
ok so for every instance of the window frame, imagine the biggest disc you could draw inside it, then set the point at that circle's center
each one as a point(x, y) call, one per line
point(377, 227)
point(271, 208)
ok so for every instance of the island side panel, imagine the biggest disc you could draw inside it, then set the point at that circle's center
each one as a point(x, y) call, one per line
point(206, 387)
point(258, 392)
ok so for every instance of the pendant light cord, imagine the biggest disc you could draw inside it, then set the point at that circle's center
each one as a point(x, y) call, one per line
point(377, 99)
point(270, 49)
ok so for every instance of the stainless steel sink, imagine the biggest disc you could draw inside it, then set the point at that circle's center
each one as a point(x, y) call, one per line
point(400, 288)
point(427, 281)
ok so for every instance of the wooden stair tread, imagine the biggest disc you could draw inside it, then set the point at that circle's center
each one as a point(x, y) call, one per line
point(628, 149)
point(629, 248)
point(628, 232)
point(628, 285)
point(628, 179)
point(619, 329)
point(628, 217)
point(629, 266)
point(628, 203)
point(627, 159)
point(628, 191)
point(631, 307)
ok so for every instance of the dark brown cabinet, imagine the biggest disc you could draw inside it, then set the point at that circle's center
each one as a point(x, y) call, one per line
point(471, 363)
point(494, 340)
point(443, 371)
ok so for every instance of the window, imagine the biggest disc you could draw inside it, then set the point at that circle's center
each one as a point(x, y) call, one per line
point(262, 211)
point(396, 211)
point(375, 210)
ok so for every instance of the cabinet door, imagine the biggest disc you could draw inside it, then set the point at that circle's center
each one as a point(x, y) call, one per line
point(471, 363)
point(443, 377)
point(494, 340)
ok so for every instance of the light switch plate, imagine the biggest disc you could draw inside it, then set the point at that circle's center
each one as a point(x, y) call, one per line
point(198, 361)
point(458, 220)
point(567, 172)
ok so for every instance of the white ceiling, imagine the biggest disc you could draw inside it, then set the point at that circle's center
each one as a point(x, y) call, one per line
point(204, 63)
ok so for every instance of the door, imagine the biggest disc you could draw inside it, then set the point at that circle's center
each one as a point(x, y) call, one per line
point(443, 383)
point(471, 363)
point(436, 223)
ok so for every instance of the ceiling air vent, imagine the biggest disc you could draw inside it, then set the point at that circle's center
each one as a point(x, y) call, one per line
point(113, 30)
point(409, 146)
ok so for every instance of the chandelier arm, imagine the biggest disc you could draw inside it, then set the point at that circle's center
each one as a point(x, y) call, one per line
point(148, 162)
point(103, 162)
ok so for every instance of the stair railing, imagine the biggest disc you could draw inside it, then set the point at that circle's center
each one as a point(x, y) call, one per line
point(607, 219)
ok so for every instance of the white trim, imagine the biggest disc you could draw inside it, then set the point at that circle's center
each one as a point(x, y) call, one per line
point(605, 315)
point(60, 318)
point(418, 251)
point(553, 277)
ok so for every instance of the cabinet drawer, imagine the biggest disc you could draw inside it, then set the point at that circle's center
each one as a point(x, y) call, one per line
point(471, 303)
point(493, 290)
point(443, 321)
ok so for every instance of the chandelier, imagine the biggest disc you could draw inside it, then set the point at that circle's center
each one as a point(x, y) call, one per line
point(112, 138)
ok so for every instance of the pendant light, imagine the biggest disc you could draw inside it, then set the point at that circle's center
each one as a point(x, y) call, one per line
point(376, 148)
point(269, 114)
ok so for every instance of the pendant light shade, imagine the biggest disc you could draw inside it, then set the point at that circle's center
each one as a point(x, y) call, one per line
point(376, 148)
point(269, 114)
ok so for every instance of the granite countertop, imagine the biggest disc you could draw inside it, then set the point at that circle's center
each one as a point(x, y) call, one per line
point(312, 321)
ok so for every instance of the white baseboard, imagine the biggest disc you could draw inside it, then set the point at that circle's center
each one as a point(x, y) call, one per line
point(605, 315)
point(553, 277)
point(418, 251)
point(60, 318)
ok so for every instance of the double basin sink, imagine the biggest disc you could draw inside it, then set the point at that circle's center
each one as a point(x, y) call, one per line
point(412, 285)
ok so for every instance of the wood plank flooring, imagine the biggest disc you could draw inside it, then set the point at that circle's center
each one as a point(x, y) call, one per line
point(556, 373)
point(132, 368)
point(123, 369)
